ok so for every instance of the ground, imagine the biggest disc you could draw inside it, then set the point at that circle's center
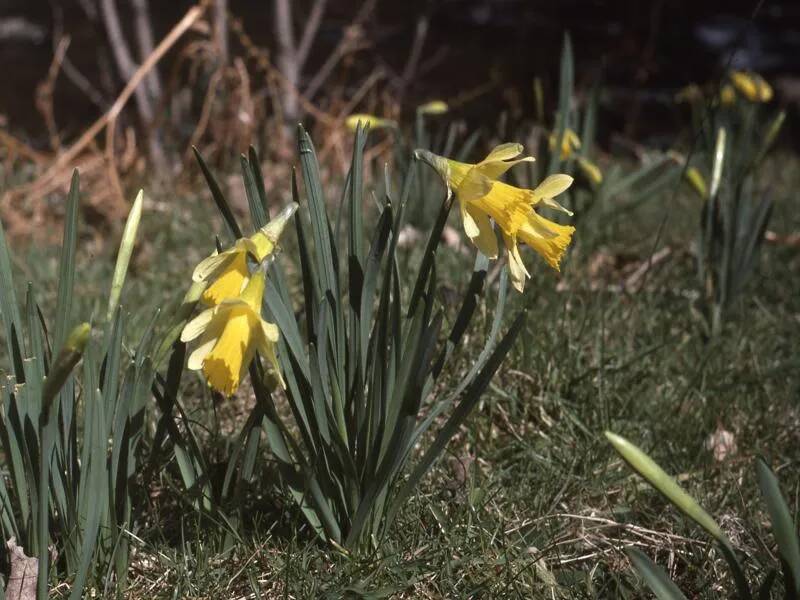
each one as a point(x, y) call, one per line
point(530, 501)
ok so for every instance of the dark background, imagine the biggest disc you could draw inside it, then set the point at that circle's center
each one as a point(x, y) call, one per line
point(642, 51)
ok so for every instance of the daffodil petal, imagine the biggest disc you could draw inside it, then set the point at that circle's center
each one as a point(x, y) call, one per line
point(197, 326)
point(270, 331)
point(516, 267)
point(549, 202)
point(470, 226)
point(198, 355)
point(474, 186)
point(485, 238)
point(552, 186)
point(505, 151)
point(209, 266)
point(495, 169)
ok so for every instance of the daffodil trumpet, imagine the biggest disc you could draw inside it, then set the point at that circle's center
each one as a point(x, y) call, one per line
point(229, 335)
point(227, 272)
point(483, 199)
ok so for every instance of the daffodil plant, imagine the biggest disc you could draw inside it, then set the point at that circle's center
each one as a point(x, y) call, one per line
point(358, 362)
point(729, 143)
point(70, 434)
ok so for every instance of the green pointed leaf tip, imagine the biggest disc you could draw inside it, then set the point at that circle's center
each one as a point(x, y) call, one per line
point(124, 256)
point(654, 576)
point(666, 485)
point(784, 529)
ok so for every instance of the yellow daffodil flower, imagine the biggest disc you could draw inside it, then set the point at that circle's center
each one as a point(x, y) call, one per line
point(434, 107)
point(752, 86)
point(689, 94)
point(482, 198)
point(229, 334)
point(372, 121)
point(570, 142)
point(727, 95)
point(228, 269)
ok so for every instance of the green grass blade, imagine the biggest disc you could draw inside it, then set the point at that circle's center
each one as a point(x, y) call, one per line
point(426, 264)
point(320, 226)
point(654, 576)
point(565, 91)
point(468, 402)
point(9, 309)
point(258, 176)
point(784, 529)
point(124, 255)
point(258, 213)
point(63, 364)
point(66, 271)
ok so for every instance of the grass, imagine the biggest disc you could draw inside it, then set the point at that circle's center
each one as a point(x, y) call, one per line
point(530, 501)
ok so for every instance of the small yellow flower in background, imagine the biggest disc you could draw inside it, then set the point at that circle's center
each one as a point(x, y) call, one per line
point(689, 94)
point(752, 86)
point(570, 142)
point(727, 95)
point(434, 107)
point(482, 197)
point(590, 170)
point(697, 181)
point(229, 335)
point(228, 269)
point(365, 119)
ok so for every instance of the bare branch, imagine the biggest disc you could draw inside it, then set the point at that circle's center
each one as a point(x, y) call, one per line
point(310, 32)
point(110, 117)
point(221, 29)
point(287, 56)
point(144, 40)
point(123, 58)
point(420, 33)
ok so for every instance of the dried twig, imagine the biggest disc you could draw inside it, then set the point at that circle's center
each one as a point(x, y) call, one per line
point(44, 93)
point(110, 117)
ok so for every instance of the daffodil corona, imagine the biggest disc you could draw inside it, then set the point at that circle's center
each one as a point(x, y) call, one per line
point(483, 199)
point(228, 270)
point(229, 334)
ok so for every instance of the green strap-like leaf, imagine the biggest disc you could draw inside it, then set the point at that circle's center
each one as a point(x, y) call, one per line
point(468, 402)
point(654, 576)
point(666, 485)
point(783, 527)
point(218, 196)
